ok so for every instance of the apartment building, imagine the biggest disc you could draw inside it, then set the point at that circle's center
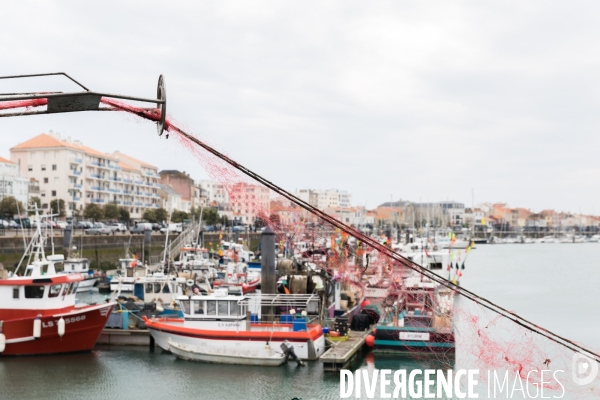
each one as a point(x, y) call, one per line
point(248, 202)
point(214, 192)
point(12, 183)
point(323, 199)
point(80, 175)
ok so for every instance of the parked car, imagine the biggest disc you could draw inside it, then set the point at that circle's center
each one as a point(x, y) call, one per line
point(62, 224)
point(118, 227)
point(140, 228)
point(156, 227)
point(239, 228)
point(99, 229)
point(209, 228)
point(173, 228)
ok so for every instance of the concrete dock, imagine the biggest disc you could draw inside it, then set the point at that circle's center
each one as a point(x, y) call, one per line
point(341, 354)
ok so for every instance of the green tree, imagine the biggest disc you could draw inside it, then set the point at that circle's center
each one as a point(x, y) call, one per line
point(57, 206)
point(179, 216)
point(93, 211)
point(33, 202)
point(111, 211)
point(224, 220)
point(9, 206)
point(124, 214)
point(210, 215)
point(149, 215)
point(161, 214)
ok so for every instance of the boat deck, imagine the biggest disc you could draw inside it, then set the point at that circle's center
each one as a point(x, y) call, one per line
point(343, 353)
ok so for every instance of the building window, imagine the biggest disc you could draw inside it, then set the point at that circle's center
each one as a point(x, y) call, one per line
point(54, 193)
point(30, 168)
point(53, 167)
point(43, 167)
point(45, 180)
point(43, 193)
point(45, 206)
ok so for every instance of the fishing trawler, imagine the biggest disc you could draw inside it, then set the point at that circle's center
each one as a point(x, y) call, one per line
point(226, 323)
point(39, 314)
point(417, 319)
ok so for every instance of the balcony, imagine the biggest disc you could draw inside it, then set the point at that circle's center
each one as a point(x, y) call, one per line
point(127, 191)
point(156, 206)
point(76, 198)
point(111, 166)
point(76, 160)
point(73, 172)
point(97, 201)
point(114, 190)
point(119, 202)
point(148, 194)
point(139, 204)
point(127, 203)
point(96, 176)
point(139, 182)
point(114, 179)
point(156, 195)
point(97, 188)
point(76, 186)
point(127, 181)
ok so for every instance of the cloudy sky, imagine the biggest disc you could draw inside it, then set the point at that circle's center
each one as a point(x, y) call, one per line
point(412, 100)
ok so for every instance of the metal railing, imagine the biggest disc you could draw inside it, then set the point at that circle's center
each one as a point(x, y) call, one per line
point(185, 237)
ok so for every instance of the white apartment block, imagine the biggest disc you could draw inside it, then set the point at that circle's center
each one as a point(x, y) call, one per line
point(322, 199)
point(12, 183)
point(80, 175)
point(214, 192)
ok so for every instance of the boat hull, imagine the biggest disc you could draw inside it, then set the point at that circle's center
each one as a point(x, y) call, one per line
point(195, 354)
point(82, 329)
point(307, 345)
point(412, 341)
point(86, 285)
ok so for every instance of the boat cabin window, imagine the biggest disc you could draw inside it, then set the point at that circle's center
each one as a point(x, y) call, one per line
point(185, 306)
point(149, 287)
point(54, 290)
point(15, 293)
point(199, 307)
point(34, 292)
point(28, 271)
point(66, 289)
point(211, 307)
point(222, 306)
point(158, 286)
point(234, 308)
point(130, 272)
point(73, 288)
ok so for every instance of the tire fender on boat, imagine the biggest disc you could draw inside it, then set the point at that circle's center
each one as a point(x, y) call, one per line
point(2, 343)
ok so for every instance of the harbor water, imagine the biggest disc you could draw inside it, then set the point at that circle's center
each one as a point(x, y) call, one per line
point(554, 285)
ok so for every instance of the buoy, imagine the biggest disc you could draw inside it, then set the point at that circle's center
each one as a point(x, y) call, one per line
point(37, 327)
point(159, 307)
point(190, 282)
point(61, 327)
point(370, 340)
point(366, 303)
point(293, 312)
point(2, 342)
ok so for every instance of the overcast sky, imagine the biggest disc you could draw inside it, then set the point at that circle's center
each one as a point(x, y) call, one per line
point(411, 100)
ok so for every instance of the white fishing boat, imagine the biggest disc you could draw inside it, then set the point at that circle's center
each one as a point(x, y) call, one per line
point(241, 324)
point(81, 266)
point(265, 357)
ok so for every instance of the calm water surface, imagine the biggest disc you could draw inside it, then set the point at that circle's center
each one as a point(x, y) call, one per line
point(555, 285)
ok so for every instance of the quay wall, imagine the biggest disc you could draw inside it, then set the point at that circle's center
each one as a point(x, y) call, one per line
point(103, 251)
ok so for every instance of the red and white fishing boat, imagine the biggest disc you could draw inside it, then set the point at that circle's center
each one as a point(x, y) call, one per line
point(38, 312)
point(221, 323)
point(237, 274)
